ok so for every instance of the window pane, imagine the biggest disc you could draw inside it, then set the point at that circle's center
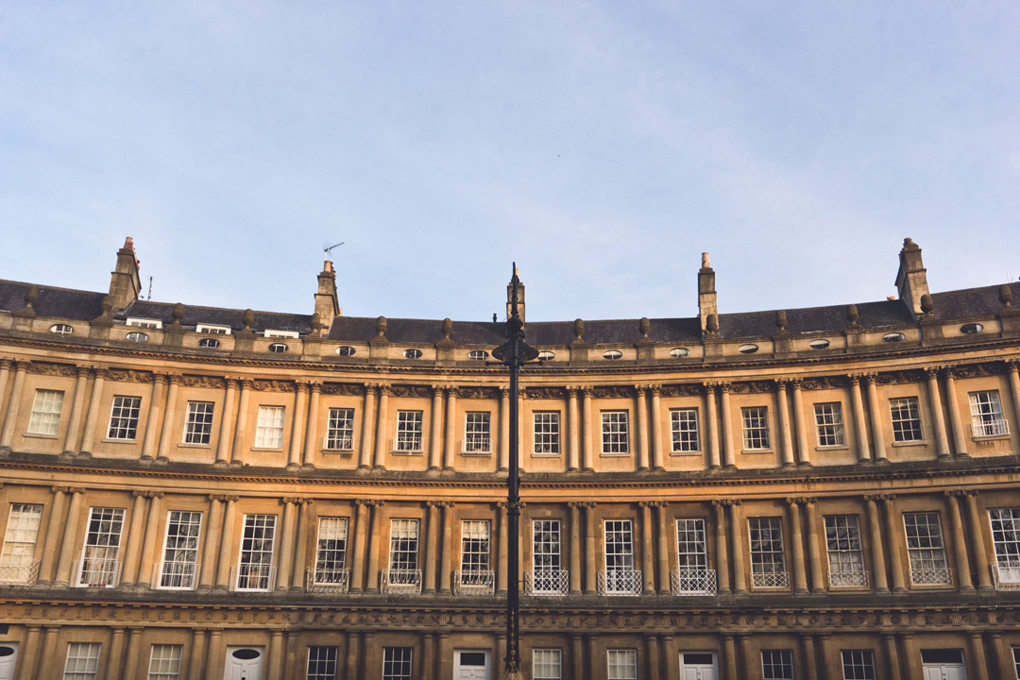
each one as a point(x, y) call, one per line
point(321, 663)
point(547, 664)
point(684, 424)
point(615, 436)
point(906, 419)
point(397, 663)
point(165, 662)
point(102, 548)
point(829, 423)
point(198, 422)
point(755, 422)
point(269, 431)
point(17, 560)
point(340, 430)
point(82, 661)
point(547, 432)
point(45, 417)
point(124, 417)
point(255, 567)
point(180, 551)
point(409, 429)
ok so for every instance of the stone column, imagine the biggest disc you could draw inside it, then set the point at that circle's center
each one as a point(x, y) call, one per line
point(713, 427)
point(653, 657)
point(1003, 655)
point(784, 423)
point(68, 544)
point(215, 658)
point(736, 531)
point(664, 535)
point(149, 440)
point(133, 541)
point(814, 543)
point(979, 662)
point(977, 537)
point(367, 422)
point(446, 570)
point(275, 665)
point(226, 544)
point(892, 659)
point(860, 423)
point(722, 557)
point(242, 422)
point(381, 430)
point(575, 547)
point(594, 662)
point(749, 663)
point(810, 661)
point(5, 372)
point(428, 656)
point(223, 443)
point(286, 555)
point(432, 547)
point(648, 557)
point(797, 542)
point(210, 550)
point(300, 416)
point(48, 563)
point(149, 546)
point(730, 657)
point(729, 452)
point(892, 537)
point(587, 454)
point(573, 431)
point(504, 430)
point(641, 406)
point(169, 412)
point(959, 541)
point(29, 652)
point(590, 587)
point(115, 655)
point(935, 399)
point(877, 437)
point(877, 551)
point(311, 431)
point(803, 452)
point(911, 657)
point(297, 582)
point(504, 548)
point(445, 656)
point(449, 451)
point(1014, 387)
point(657, 445)
point(360, 539)
point(7, 435)
point(134, 650)
point(956, 420)
point(197, 655)
point(88, 438)
point(577, 657)
point(436, 433)
point(375, 541)
point(77, 405)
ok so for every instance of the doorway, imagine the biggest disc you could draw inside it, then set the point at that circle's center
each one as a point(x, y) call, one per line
point(8, 657)
point(471, 664)
point(244, 663)
point(943, 664)
point(698, 666)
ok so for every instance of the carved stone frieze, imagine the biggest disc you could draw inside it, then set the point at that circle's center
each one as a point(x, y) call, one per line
point(753, 387)
point(546, 393)
point(345, 389)
point(978, 370)
point(272, 386)
point(900, 377)
point(411, 391)
point(127, 375)
point(210, 381)
point(825, 382)
point(475, 392)
point(687, 390)
point(613, 392)
point(65, 370)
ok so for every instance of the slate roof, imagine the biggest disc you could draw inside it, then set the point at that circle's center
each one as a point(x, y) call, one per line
point(77, 305)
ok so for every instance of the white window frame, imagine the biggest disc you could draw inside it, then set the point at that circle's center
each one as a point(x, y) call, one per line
point(45, 418)
point(331, 547)
point(1005, 526)
point(768, 552)
point(475, 546)
point(754, 428)
point(844, 546)
point(104, 532)
point(178, 565)
point(691, 543)
point(615, 432)
point(410, 426)
point(829, 427)
point(339, 430)
point(165, 662)
point(251, 565)
point(987, 419)
point(269, 427)
point(777, 660)
point(141, 322)
point(546, 433)
point(274, 333)
point(198, 423)
point(322, 663)
point(905, 418)
point(927, 559)
point(125, 412)
point(404, 553)
point(684, 430)
point(81, 661)
point(21, 537)
point(398, 663)
point(859, 662)
point(547, 664)
point(546, 544)
point(621, 664)
point(477, 432)
point(213, 329)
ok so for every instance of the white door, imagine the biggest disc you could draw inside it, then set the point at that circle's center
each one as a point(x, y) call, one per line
point(698, 666)
point(244, 663)
point(8, 655)
point(945, 671)
point(471, 665)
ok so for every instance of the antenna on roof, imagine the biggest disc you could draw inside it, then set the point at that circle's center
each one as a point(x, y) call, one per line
point(326, 248)
point(150, 289)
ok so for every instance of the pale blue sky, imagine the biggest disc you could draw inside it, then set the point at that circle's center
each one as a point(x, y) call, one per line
point(798, 142)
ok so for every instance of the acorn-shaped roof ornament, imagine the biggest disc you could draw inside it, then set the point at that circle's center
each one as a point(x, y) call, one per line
point(380, 326)
point(712, 323)
point(447, 328)
point(315, 322)
point(31, 296)
point(578, 330)
point(248, 319)
point(178, 313)
point(1006, 295)
point(852, 315)
point(781, 320)
point(927, 304)
point(645, 326)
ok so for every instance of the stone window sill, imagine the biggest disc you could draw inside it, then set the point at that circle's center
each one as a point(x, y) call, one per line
point(686, 454)
point(757, 451)
point(194, 446)
point(107, 440)
point(40, 435)
point(343, 452)
point(976, 439)
point(836, 447)
point(916, 442)
point(267, 448)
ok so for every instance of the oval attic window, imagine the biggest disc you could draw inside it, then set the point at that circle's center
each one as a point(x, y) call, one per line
point(747, 349)
point(546, 355)
point(971, 328)
point(679, 352)
point(412, 354)
point(135, 336)
point(821, 343)
point(478, 355)
point(345, 351)
point(278, 348)
point(893, 337)
point(61, 329)
point(209, 343)
point(612, 354)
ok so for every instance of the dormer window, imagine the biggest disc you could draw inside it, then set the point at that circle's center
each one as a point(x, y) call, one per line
point(143, 323)
point(270, 333)
point(61, 329)
point(212, 330)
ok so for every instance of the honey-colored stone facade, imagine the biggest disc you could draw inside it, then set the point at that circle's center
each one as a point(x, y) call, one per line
point(791, 440)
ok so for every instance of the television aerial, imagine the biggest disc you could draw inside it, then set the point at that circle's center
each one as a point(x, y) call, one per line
point(326, 249)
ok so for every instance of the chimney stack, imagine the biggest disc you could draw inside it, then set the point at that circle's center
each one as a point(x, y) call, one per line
point(707, 305)
point(912, 277)
point(327, 306)
point(125, 283)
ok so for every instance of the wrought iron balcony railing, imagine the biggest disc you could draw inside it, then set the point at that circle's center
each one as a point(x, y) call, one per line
point(547, 582)
point(620, 582)
point(96, 572)
point(698, 582)
point(259, 578)
point(175, 575)
point(19, 574)
point(990, 428)
point(401, 581)
point(937, 576)
point(849, 578)
point(765, 580)
point(327, 580)
point(474, 582)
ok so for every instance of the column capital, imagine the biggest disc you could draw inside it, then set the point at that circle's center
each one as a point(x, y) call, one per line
point(246, 383)
point(384, 389)
point(572, 390)
point(795, 501)
point(217, 497)
point(139, 493)
point(587, 391)
point(75, 489)
point(953, 493)
point(796, 383)
point(22, 364)
point(59, 489)
point(724, 387)
point(314, 386)
point(782, 383)
point(656, 390)
point(504, 392)
point(870, 377)
point(175, 378)
point(230, 382)
point(932, 372)
point(640, 390)
point(574, 505)
point(6, 362)
point(452, 391)
point(285, 501)
point(81, 370)
point(1013, 364)
point(951, 371)
point(231, 499)
point(101, 372)
point(301, 386)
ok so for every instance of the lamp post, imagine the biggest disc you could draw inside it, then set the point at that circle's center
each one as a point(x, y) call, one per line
point(513, 353)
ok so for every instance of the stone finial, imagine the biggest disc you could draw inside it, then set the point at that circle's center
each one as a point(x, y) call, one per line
point(31, 296)
point(927, 305)
point(712, 323)
point(645, 326)
point(178, 313)
point(447, 328)
point(380, 326)
point(315, 322)
point(704, 261)
point(781, 320)
point(578, 330)
point(248, 319)
point(852, 315)
point(1006, 295)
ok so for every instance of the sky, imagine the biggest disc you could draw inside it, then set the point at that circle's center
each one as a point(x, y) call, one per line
point(603, 146)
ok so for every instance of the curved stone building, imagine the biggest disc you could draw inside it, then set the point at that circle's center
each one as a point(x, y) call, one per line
point(200, 493)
